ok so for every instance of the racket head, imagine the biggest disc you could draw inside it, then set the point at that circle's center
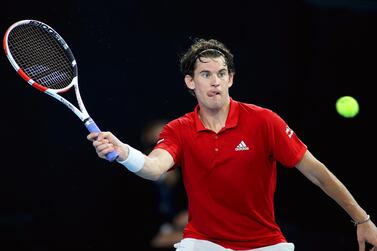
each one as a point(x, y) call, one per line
point(40, 56)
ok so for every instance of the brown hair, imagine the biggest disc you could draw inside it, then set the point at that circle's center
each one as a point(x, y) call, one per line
point(205, 48)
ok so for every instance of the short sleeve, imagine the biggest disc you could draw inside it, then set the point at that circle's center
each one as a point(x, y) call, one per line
point(287, 148)
point(169, 140)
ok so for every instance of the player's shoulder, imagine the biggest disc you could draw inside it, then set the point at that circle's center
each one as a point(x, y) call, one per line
point(182, 121)
point(260, 116)
point(256, 110)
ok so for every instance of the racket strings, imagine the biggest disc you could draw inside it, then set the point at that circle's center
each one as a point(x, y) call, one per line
point(41, 56)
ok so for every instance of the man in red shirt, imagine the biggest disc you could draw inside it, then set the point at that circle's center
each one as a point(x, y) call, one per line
point(228, 152)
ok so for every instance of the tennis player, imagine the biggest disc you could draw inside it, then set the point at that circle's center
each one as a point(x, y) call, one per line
point(228, 151)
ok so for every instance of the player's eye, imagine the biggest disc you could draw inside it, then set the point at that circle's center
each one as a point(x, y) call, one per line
point(222, 74)
point(205, 74)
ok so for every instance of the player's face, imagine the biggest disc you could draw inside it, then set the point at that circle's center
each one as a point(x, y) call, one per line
point(211, 82)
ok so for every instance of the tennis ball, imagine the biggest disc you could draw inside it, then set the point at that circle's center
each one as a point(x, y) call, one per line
point(347, 106)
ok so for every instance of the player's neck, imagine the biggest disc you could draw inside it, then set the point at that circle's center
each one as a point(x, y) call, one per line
point(214, 120)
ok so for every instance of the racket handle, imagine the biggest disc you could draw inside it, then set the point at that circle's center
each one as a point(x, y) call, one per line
point(92, 127)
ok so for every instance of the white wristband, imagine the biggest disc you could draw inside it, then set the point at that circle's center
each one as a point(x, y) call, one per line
point(135, 160)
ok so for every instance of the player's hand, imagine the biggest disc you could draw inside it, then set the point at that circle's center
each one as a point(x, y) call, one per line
point(367, 233)
point(105, 142)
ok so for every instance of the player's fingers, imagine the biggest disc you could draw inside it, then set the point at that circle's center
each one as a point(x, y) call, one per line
point(102, 143)
point(92, 136)
point(104, 148)
point(104, 135)
point(99, 146)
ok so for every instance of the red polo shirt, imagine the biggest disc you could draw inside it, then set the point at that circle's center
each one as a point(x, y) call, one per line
point(230, 176)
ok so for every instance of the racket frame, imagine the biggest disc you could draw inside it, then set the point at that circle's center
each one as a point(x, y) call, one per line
point(81, 113)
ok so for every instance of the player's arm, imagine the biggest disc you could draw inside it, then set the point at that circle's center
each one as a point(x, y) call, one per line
point(318, 173)
point(156, 163)
point(148, 167)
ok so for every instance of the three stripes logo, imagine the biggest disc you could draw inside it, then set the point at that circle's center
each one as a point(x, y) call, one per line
point(241, 147)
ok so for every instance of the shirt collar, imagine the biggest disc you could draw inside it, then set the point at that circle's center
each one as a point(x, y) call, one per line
point(231, 120)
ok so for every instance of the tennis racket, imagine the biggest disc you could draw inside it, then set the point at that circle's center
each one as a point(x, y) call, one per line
point(44, 60)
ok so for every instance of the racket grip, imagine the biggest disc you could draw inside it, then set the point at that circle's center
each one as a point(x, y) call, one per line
point(92, 127)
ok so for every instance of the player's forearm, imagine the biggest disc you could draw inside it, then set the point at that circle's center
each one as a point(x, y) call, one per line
point(151, 169)
point(320, 175)
point(148, 167)
point(338, 192)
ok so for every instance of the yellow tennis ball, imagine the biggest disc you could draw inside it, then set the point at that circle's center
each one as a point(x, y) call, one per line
point(347, 106)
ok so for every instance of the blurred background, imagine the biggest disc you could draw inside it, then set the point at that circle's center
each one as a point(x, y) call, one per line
point(294, 57)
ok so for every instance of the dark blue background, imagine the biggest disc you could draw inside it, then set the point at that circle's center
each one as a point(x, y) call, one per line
point(295, 57)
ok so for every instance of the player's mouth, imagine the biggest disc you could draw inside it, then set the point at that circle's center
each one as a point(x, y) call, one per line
point(213, 93)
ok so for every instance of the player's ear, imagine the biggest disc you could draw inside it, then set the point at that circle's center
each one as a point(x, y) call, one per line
point(231, 76)
point(189, 82)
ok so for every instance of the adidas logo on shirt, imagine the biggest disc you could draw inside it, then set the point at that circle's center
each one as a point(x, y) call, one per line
point(242, 147)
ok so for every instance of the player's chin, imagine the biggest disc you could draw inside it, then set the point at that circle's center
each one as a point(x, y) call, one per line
point(215, 102)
